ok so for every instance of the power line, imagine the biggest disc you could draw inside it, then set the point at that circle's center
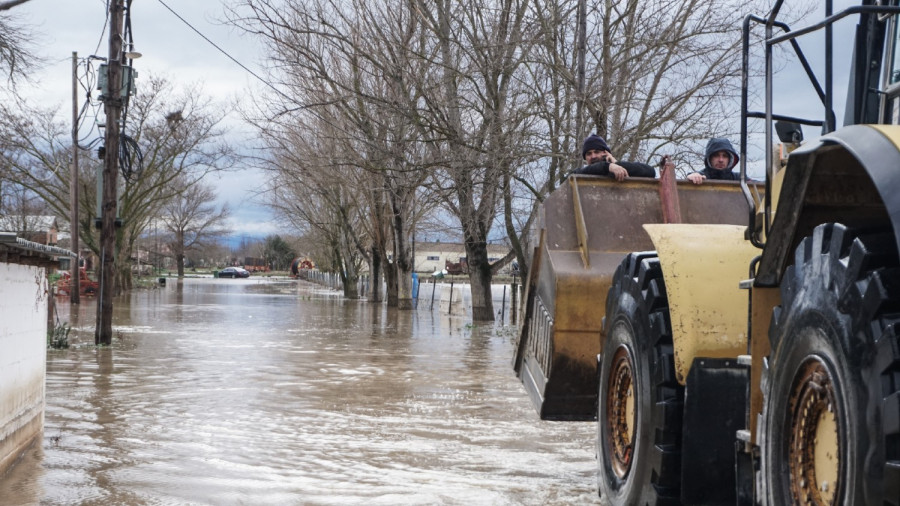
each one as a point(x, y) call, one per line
point(90, 107)
point(213, 44)
point(103, 32)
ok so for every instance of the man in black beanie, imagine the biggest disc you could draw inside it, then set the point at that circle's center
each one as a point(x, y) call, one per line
point(719, 160)
point(600, 162)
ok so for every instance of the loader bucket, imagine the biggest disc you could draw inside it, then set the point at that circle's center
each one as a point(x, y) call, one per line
point(586, 228)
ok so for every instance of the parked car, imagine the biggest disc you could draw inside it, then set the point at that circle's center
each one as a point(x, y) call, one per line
point(234, 272)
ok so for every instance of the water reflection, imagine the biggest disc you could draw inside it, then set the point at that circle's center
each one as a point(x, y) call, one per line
point(248, 392)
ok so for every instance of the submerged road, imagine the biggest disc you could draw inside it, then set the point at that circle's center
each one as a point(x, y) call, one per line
point(254, 392)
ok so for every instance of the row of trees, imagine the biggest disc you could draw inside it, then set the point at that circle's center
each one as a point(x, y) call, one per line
point(156, 253)
point(389, 112)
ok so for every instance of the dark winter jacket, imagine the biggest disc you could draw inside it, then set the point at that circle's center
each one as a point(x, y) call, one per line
point(634, 169)
point(715, 145)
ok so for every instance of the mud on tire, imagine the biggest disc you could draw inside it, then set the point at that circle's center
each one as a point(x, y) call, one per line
point(640, 403)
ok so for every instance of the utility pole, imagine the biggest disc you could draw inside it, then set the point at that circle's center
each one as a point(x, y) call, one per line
point(75, 292)
point(113, 103)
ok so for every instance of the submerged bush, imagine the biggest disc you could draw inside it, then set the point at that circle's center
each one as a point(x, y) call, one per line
point(58, 337)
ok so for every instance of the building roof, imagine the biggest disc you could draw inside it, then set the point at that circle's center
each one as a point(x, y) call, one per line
point(18, 250)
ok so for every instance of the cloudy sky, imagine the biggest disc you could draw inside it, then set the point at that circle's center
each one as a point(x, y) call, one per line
point(169, 47)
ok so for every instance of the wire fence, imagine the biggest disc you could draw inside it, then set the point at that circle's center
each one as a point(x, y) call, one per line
point(446, 296)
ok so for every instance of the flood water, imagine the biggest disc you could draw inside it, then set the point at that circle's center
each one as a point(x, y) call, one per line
point(258, 392)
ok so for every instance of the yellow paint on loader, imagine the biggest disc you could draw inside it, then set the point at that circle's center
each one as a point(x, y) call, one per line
point(892, 132)
point(703, 266)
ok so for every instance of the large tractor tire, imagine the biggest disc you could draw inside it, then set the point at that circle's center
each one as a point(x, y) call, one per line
point(640, 402)
point(830, 432)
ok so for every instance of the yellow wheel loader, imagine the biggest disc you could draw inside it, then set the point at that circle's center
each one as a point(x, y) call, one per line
point(753, 360)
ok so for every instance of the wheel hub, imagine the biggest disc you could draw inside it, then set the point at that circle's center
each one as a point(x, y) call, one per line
point(620, 412)
point(815, 452)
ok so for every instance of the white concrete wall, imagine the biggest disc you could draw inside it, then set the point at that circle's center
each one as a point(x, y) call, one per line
point(23, 355)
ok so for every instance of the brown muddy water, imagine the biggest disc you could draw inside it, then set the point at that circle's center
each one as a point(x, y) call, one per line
point(258, 392)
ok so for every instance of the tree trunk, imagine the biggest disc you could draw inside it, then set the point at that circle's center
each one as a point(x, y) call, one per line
point(351, 286)
point(390, 278)
point(480, 279)
point(349, 273)
point(402, 257)
point(375, 276)
point(123, 282)
point(404, 290)
point(179, 259)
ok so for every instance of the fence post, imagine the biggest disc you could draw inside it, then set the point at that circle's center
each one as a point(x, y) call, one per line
point(513, 301)
point(450, 302)
point(433, 285)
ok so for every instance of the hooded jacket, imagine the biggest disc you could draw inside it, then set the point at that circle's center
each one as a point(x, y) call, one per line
point(715, 145)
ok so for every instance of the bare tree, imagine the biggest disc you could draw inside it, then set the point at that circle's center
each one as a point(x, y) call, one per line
point(16, 200)
point(193, 220)
point(34, 155)
point(316, 192)
point(398, 158)
point(352, 65)
point(22, 211)
point(663, 73)
point(210, 253)
point(391, 69)
point(16, 54)
point(176, 148)
point(474, 114)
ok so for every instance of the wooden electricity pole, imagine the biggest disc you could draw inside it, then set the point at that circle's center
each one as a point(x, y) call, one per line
point(113, 103)
point(75, 291)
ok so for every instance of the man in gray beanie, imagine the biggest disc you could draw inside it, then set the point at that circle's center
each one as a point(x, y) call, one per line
point(600, 162)
point(719, 160)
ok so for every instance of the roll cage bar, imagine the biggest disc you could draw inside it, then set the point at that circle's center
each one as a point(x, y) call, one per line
point(826, 94)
